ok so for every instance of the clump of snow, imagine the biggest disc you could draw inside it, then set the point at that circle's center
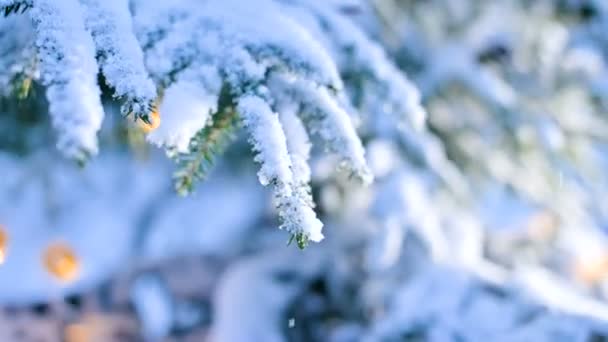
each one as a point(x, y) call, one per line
point(298, 144)
point(69, 71)
point(181, 122)
point(119, 53)
point(268, 140)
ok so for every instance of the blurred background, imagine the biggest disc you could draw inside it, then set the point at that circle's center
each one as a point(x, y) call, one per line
point(490, 225)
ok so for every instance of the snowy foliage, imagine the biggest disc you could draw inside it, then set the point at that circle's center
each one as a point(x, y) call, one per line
point(269, 142)
point(217, 45)
point(120, 57)
point(481, 124)
point(69, 71)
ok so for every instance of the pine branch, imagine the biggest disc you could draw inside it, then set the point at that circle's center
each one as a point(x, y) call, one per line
point(301, 239)
point(23, 76)
point(22, 86)
point(18, 7)
point(142, 112)
point(205, 146)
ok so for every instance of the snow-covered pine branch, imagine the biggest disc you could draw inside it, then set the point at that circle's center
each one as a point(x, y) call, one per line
point(376, 85)
point(119, 55)
point(285, 84)
point(327, 120)
point(212, 39)
point(69, 34)
point(269, 141)
point(298, 146)
point(69, 72)
point(198, 86)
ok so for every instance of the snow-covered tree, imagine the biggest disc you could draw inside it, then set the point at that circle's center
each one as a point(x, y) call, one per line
point(453, 149)
point(220, 62)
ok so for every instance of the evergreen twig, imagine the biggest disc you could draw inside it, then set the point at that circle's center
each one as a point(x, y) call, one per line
point(208, 143)
point(18, 7)
point(301, 240)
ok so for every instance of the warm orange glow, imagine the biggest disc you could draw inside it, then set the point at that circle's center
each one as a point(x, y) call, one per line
point(77, 332)
point(61, 262)
point(591, 271)
point(155, 122)
point(3, 243)
point(98, 327)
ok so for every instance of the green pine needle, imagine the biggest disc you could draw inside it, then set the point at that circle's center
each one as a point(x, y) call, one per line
point(301, 240)
point(17, 8)
point(127, 110)
point(22, 87)
point(205, 146)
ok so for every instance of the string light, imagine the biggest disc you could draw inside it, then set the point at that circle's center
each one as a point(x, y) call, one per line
point(3, 243)
point(61, 262)
point(154, 122)
point(77, 332)
point(591, 270)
